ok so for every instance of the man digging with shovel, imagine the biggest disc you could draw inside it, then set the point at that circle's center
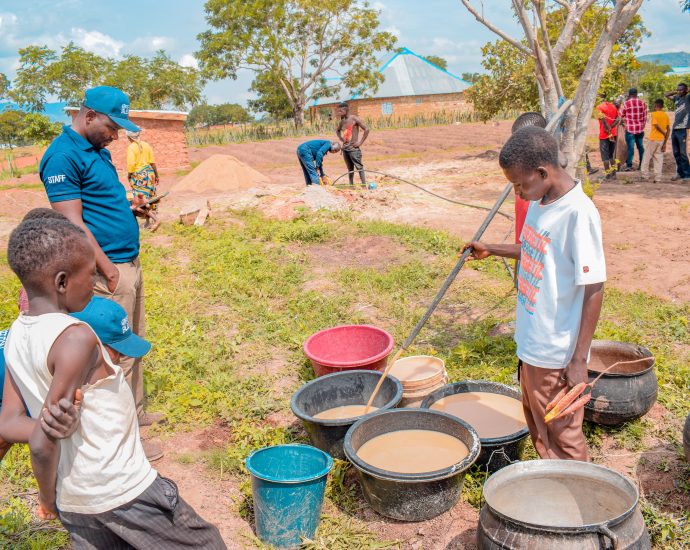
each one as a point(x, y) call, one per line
point(560, 286)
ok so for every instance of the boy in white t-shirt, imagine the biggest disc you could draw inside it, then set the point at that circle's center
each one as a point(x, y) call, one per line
point(98, 480)
point(560, 286)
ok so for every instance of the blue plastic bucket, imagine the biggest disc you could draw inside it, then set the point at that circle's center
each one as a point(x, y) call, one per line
point(288, 484)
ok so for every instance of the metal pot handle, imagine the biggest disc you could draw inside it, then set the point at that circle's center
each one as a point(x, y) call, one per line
point(605, 531)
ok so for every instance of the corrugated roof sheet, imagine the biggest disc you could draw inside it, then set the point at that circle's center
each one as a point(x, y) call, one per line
point(406, 74)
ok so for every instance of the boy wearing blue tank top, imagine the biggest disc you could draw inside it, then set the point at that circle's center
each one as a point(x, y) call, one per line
point(98, 480)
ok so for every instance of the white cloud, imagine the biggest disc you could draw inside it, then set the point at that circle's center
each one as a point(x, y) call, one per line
point(150, 44)
point(188, 60)
point(96, 42)
point(7, 20)
point(8, 33)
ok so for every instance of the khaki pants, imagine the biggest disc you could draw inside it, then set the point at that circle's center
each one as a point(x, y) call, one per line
point(561, 438)
point(130, 295)
point(652, 151)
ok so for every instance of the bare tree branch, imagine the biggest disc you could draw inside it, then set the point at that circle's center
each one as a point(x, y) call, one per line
point(585, 97)
point(544, 76)
point(493, 28)
point(576, 10)
point(519, 8)
point(541, 15)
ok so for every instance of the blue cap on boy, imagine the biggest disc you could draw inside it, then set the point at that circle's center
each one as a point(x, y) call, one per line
point(110, 323)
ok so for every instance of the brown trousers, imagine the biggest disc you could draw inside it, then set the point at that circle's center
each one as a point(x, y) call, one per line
point(130, 295)
point(561, 438)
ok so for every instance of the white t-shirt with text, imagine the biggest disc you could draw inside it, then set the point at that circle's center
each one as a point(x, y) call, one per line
point(562, 251)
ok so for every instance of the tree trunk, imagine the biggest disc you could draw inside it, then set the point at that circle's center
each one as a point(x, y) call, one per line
point(574, 133)
point(577, 121)
point(298, 114)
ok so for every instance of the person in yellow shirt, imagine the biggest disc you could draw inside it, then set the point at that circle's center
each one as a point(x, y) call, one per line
point(142, 175)
point(656, 143)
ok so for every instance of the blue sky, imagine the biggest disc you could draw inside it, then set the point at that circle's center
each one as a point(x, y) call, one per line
point(107, 27)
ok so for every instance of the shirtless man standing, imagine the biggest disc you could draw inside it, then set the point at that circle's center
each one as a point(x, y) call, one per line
point(348, 134)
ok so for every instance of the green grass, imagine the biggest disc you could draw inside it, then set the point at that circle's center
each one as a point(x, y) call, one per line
point(228, 302)
point(18, 173)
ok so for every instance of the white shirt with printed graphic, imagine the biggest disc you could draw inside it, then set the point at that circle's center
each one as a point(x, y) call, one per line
point(562, 251)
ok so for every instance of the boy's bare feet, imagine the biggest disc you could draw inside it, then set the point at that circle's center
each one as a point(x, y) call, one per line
point(155, 226)
point(46, 512)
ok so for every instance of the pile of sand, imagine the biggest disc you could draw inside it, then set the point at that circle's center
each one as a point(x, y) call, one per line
point(220, 174)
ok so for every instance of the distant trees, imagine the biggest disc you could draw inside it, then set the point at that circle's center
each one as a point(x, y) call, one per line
point(153, 83)
point(652, 81)
point(211, 115)
point(20, 128)
point(565, 48)
point(437, 60)
point(510, 84)
point(271, 97)
point(471, 77)
point(296, 44)
point(4, 85)
point(11, 127)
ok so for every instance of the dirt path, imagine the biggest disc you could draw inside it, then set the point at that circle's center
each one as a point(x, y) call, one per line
point(211, 494)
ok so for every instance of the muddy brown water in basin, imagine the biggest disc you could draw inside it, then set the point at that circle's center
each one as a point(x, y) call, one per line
point(491, 414)
point(344, 411)
point(560, 501)
point(413, 451)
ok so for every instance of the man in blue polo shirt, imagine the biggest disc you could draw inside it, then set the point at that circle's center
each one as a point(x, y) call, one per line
point(81, 182)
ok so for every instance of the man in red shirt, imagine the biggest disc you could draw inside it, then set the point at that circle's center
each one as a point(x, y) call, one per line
point(607, 113)
point(634, 115)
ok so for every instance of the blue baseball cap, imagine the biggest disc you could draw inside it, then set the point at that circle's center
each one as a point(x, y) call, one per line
point(110, 323)
point(111, 102)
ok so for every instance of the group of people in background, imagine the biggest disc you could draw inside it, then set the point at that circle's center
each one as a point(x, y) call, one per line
point(311, 153)
point(631, 116)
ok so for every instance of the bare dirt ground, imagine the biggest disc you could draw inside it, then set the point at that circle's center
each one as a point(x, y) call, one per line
point(645, 224)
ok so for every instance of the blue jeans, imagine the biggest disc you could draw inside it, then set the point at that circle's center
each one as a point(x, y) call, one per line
point(679, 142)
point(308, 164)
point(631, 140)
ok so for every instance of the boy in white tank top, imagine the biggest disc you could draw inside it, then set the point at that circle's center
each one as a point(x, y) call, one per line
point(98, 480)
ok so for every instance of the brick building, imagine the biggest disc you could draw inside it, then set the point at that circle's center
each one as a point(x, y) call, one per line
point(163, 130)
point(411, 86)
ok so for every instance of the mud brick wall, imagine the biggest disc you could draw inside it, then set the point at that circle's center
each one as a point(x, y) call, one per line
point(403, 106)
point(164, 131)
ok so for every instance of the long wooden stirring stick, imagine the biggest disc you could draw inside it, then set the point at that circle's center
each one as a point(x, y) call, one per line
point(441, 293)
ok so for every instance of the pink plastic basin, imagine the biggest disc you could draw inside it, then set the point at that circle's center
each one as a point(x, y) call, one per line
point(348, 347)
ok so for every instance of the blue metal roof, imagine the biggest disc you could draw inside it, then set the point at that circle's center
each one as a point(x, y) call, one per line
point(406, 74)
